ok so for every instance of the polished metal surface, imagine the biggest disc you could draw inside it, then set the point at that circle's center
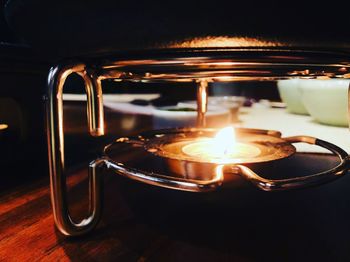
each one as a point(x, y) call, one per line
point(55, 136)
point(223, 65)
point(201, 65)
point(202, 102)
point(299, 182)
point(155, 179)
point(202, 185)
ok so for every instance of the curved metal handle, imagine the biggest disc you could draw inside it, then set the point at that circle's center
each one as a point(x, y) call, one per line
point(55, 137)
point(299, 182)
point(166, 181)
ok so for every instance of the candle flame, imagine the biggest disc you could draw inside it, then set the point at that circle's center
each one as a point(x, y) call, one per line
point(221, 149)
point(224, 142)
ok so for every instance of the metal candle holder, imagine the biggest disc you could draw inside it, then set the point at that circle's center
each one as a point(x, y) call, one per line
point(180, 65)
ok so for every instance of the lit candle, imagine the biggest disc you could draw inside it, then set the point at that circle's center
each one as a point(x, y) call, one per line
point(223, 148)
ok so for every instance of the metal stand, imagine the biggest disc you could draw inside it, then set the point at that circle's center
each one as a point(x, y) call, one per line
point(55, 137)
point(234, 169)
point(175, 66)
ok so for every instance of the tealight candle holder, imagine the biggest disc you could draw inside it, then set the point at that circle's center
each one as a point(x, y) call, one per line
point(185, 154)
point(192, 158)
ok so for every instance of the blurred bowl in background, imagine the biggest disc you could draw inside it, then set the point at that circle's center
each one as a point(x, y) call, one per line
point(226, 100)
point(186, 116)
point(326, 100)
point(291, 95)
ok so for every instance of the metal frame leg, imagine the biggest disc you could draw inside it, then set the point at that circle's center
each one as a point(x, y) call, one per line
point(55, 137)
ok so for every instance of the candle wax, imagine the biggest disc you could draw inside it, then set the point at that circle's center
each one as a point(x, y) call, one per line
point(208, 149)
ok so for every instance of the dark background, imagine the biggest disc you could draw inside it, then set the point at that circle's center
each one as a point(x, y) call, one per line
point(70, 28)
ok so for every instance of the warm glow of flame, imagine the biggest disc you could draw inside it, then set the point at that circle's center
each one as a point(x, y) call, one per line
point(224, 142)
point(223, 148)
point(3, 126)
point(224, 41)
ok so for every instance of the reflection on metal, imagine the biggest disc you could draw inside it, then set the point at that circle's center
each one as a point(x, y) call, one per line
point(200, 65)
point(202, 102)
point(187, 183)
point(168, 182)
point(56, 80)
point(224, 64)
point(300, 182)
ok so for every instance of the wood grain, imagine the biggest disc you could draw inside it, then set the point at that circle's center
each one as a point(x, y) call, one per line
point(144, 223)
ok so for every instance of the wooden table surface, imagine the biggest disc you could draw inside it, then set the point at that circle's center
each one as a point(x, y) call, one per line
point(144, 223)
